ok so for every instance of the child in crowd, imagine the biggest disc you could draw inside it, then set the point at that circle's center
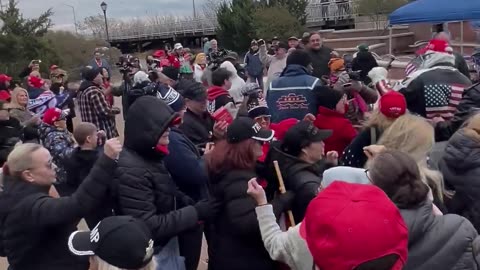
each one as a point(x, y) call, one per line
point(81, 162)
point(59, 141)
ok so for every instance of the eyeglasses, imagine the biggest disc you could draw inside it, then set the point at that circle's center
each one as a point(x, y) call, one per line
point(368, 175)
point(50, 165)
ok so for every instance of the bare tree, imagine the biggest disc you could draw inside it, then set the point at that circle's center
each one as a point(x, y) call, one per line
point(210, 9)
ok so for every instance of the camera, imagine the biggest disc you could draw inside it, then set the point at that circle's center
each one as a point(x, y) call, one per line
point(215, 59)
point(126, 63)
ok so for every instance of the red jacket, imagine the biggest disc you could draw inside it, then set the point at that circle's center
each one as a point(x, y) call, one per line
point(280, 129)
point(343, 131)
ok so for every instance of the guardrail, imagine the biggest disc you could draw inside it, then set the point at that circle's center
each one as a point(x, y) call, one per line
point(317, 11)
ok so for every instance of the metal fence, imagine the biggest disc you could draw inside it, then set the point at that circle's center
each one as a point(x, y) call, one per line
point(317, 11)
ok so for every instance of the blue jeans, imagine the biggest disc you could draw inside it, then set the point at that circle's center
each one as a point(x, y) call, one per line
point(257, 79)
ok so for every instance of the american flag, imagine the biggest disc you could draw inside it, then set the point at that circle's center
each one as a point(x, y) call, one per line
point(441, 100)
point(412, 66)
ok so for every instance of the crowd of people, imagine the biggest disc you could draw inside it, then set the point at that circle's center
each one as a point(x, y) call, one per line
point(326, 164)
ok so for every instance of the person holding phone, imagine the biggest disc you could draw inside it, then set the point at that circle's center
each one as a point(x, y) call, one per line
point(34, 65)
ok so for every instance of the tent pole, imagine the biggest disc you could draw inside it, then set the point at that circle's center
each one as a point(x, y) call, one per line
point(390, 39)
point(461, 37)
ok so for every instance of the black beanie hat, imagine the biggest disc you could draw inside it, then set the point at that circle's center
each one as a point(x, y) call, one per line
point(90, 73)
point(299, 57)
point(327, 97)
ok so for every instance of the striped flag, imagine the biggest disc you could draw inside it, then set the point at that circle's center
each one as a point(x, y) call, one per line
point(412, 66)
point(441, 100)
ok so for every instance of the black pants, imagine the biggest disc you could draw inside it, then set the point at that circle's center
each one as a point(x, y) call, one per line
point(190, 243)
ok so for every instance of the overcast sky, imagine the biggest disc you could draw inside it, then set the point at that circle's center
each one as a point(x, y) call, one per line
point(63, 17)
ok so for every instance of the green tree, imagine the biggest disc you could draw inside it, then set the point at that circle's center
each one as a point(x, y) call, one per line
point(378, 9)
point(21, 40)
point(235, 24)
point(297, 8)
point(267, 24)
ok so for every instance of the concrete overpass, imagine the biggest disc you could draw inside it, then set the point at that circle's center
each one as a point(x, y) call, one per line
point(332, 14)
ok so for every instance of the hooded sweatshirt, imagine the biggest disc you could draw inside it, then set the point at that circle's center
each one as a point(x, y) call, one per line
point(275, 65)
point(289, 247)
point(237, 82)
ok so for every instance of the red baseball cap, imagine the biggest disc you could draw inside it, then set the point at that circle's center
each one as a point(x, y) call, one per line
point(35, 81)
point(5, 95)
point(158, 53)
point(392, 104)
point(5, 78)
point(347, 225)
point(52, 115)
point(436, 45)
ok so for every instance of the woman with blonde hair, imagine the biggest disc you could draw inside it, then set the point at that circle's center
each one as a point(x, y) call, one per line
point(18, 110)
point(116, 243)
point(391, 106)
point(199, 65)
point(460, 165)
point(415, 136)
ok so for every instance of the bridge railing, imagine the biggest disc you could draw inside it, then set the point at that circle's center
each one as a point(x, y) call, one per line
point(317, 11)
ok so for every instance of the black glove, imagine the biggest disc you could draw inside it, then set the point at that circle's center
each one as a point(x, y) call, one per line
point(206, 210)
point(282, 203)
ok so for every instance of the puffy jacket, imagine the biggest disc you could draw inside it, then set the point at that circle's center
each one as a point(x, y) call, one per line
point(460, 166)
point(60, 144)
point(448, 242)
point(469, 104)
point(291, 95)
point(186, 166)
point(253, 64)
point(236, 242)
point(35, 227)
point(302, 178)
point(145, 189)
point(343, 131)
point(11, 132)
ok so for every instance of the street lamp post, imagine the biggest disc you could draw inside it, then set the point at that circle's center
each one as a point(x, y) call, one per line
point(74, 17)
point(103, 5)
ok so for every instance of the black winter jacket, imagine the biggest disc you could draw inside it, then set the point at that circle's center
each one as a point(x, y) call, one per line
point(11, 132)
point(236, 242)
point(35, 227)
point(198, 128)
point(302, 178)
point(145, 188)
point(469, 105)
point(448, 242)
point(78, 166)
point(460, 166)
point(353, 155)
point(364, 62)
point(320, 59)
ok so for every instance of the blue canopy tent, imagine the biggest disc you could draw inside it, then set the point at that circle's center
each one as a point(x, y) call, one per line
point(436, 11)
